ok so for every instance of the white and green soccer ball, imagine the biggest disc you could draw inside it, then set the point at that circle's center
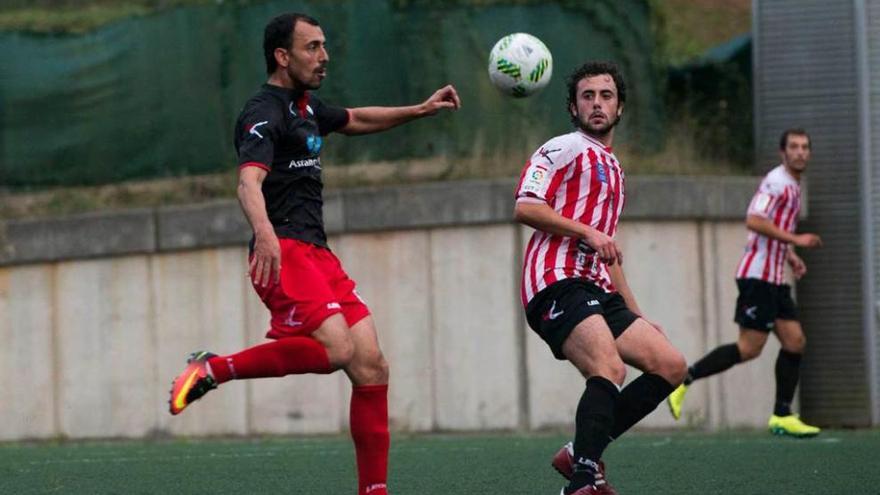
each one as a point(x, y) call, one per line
point(520, 65)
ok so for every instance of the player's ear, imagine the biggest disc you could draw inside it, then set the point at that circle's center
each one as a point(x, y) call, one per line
point(619, 110)
point(282, 57)
point(572, 109)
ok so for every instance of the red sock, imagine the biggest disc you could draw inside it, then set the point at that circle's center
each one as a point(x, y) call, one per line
point(287, 356)
point(369, 430)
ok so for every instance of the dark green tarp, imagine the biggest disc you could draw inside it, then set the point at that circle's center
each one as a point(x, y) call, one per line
point(157, 96)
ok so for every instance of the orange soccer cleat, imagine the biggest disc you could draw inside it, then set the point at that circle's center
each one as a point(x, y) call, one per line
point(193, 383)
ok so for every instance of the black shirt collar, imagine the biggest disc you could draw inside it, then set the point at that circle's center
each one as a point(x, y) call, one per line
point(292, 94)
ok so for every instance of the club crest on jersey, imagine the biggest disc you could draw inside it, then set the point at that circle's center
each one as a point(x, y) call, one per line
point(602, 172)
point(314, 144)
point(252, 129)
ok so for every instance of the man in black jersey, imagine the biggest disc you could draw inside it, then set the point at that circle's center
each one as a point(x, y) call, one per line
point(319, 323)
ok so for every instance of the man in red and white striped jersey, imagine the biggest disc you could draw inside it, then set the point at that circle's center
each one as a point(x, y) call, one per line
point(575, 294)
point(764, 303)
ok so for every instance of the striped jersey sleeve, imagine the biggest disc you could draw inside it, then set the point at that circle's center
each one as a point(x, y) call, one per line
point(543, 172)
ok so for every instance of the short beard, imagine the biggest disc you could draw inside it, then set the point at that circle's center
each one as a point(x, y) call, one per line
point(591, 131)
point(303, 86)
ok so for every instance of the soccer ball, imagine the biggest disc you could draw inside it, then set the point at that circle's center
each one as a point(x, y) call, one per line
point(520, 65)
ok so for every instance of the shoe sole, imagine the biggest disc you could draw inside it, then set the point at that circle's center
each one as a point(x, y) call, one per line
point(782, 432)
point(672, 411)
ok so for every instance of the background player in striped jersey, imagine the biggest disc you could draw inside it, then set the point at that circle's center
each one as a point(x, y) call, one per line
point(764, 303)
point(574, 291)
point(319, 322)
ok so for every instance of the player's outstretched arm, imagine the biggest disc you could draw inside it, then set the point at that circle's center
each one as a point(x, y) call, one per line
point(265, 265)
point(366, 120)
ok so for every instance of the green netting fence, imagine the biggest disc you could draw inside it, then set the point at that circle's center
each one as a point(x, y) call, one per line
point(157, 96)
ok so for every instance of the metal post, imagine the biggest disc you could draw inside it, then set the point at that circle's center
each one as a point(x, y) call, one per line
point(869, 304)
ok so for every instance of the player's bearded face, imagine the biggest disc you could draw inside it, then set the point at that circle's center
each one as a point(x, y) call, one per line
point(597, 123)
point(597, 109)
point(797, 152)
point(308, 57)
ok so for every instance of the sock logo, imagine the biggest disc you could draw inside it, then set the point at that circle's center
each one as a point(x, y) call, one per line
point(374, 487)
point(231, 366)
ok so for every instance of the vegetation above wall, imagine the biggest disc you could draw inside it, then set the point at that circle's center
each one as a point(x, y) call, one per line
point(684, 29)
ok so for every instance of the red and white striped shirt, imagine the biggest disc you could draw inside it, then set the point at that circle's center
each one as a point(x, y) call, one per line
point(581, 179)
point(778, 199)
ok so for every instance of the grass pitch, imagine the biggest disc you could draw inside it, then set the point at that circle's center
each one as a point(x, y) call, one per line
point(836, 462)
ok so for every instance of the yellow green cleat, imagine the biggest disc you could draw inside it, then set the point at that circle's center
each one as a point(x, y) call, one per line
point(675, 400)
point(792, 426)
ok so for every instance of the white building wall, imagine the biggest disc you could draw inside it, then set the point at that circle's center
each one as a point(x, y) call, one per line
point(90, 346)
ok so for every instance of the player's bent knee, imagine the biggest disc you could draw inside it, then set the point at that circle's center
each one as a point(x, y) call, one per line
point(748, 353)
point(335, 336)
point(795, 345)
point(749, 348)
point(610, 367)
point(340, 352)
point(674, 368)
point(378, 369)
point(617, 373)
point(372, 370)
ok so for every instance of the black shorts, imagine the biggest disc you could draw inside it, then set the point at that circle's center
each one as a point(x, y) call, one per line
point(555, 311)
point(761, 303)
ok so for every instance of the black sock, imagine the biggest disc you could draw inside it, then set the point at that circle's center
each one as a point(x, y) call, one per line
point(788, 370)
point(720, 359)
point(637, 400)
point(593, 423)
point(688, 378)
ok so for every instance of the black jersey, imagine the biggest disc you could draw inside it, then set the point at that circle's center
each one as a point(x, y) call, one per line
point(280, 130)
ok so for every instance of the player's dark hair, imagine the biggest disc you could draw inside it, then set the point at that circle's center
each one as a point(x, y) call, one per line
point(279, 34)
point(796, 131)
point(591, 69)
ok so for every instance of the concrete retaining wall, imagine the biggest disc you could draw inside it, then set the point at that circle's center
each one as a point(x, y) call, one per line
point(97, 313)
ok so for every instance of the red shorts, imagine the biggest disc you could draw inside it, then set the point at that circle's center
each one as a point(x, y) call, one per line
point(313, 287)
